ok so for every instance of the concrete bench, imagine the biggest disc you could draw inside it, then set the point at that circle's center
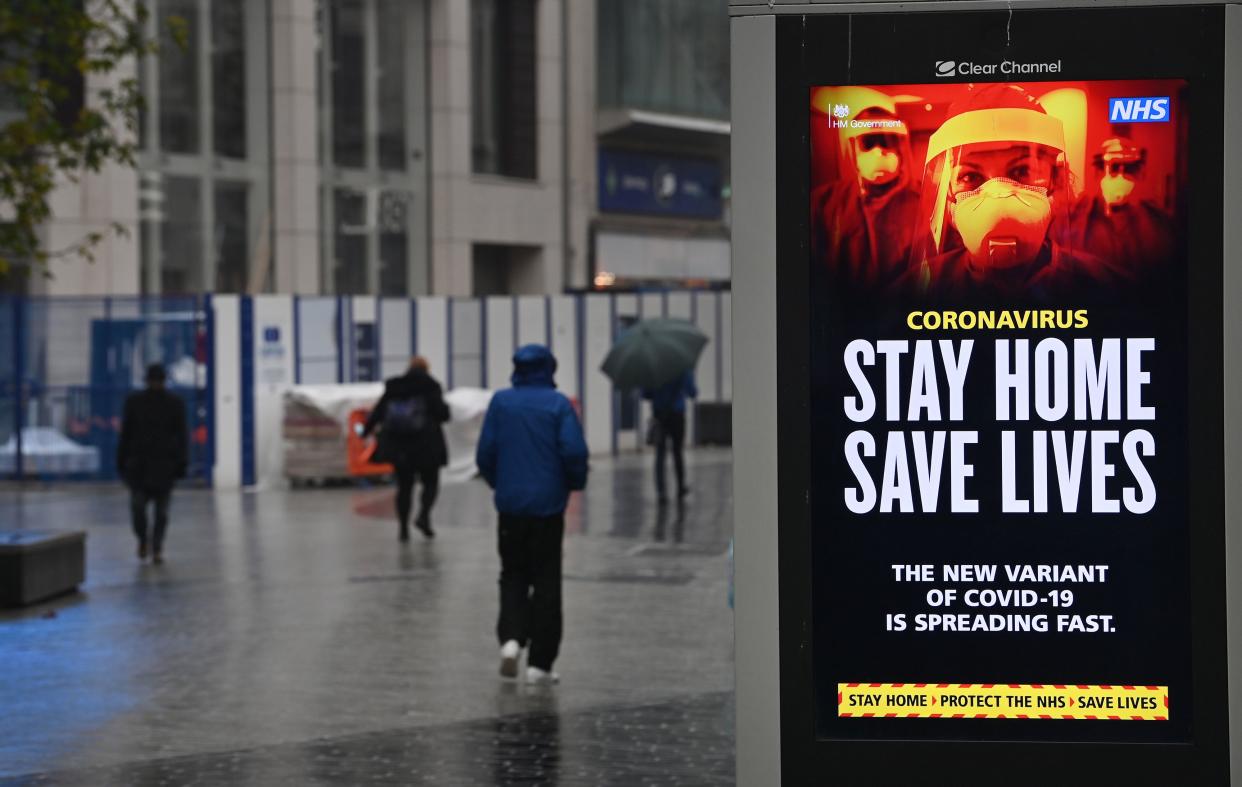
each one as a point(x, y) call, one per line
point(37, 565)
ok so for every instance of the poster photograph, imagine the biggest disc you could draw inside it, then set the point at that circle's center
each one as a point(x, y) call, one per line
point(999, 410)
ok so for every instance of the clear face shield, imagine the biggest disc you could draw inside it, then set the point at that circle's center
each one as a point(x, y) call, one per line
point(994, 183)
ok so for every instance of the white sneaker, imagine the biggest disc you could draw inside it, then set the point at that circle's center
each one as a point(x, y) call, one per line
point(509, 654)
point(538, 677)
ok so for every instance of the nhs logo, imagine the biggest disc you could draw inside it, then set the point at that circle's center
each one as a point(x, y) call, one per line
point(1152, 109)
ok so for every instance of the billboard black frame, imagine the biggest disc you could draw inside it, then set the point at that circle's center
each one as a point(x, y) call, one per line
point(1185, 42)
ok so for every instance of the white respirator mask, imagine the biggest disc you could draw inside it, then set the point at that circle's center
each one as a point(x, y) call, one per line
point(879, 165)
point(1003, 222)
point(1116, 189)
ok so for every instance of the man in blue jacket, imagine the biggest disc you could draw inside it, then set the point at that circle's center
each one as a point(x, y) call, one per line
point(532, 453)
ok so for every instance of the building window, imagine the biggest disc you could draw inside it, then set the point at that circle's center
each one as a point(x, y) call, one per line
point(349, 264)
point(372, 91)
point(228, 78)
point(178, 68)
point(232, 237)
point(391, 83)
point(203, 174)
point(348, 84)
point(180, 251)
point(503, 61)
point(506, 270)
point(647, 60)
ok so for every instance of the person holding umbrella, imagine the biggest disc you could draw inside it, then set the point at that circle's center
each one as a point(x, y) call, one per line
point(658, 357)
point(668, 408)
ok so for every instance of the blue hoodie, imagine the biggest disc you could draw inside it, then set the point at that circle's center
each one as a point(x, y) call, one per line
point(531, 451)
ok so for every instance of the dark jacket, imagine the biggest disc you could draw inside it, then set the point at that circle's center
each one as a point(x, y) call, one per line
point(671, 397)
point(864, 242)
point(154, 448)
point(1135, 238)
point(421, 448)
point(531, 451)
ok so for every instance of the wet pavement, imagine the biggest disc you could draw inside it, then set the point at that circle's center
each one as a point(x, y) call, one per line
point(289, 639)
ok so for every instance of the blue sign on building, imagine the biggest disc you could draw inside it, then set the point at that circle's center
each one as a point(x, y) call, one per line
point(658, 185)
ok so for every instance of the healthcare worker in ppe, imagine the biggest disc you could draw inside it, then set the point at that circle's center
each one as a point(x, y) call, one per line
point(861, 222)
point(995, 185)
point(1118, 224)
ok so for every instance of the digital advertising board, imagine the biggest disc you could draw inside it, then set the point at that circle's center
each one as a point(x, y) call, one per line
point(999, 244)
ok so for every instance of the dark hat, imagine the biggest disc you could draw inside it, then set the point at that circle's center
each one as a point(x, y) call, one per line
point(156, 373)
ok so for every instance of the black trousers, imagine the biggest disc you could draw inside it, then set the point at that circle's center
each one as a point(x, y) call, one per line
point(429, 477)
point(139, 499)
point(530, 585)
point(672, 431)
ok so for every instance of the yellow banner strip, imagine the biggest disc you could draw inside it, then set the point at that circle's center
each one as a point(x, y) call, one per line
point(1002, 701)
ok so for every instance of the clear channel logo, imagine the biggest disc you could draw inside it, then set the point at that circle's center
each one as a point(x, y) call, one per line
point(966, 68)
point(1145, 109)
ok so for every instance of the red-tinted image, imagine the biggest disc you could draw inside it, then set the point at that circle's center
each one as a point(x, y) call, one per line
point(1036, 189)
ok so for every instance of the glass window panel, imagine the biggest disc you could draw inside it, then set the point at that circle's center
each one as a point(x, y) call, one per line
point(232, 239)
point(181, 246)
point(394, 242)
point(228, 73)
point(391, 82)
point(485, 123)
point(349, 247)
point(348, 93)
point(646, 61)
point(178, 67)
point(503, 52)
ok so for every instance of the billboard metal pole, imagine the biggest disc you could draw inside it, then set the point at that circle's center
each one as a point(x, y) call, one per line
point(753, 79)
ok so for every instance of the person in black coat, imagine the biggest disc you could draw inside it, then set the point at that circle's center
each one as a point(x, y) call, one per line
point(409, 417)
point(152, 454)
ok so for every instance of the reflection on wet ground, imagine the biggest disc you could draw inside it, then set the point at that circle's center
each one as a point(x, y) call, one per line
point(290, 639)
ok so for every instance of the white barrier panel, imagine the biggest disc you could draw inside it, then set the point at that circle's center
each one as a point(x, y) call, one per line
point(679, 306)
point(706, 318)
point(395, 336)
point(500, 342)
point(273, 374)
point(651, 305)
point(597, 389)
point(466, 343)
point(227, 379)
point(318, 358)
point(432, 335)
point(626, 313)
point(532, 326)
point(564, 310)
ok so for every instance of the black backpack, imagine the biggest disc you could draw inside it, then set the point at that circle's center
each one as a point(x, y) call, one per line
point(406, 416)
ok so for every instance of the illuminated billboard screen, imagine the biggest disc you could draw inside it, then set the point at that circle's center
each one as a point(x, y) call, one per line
point(999, 365)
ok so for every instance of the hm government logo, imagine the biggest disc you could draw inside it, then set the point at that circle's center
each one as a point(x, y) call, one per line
point(946, 68)
point(840, 110)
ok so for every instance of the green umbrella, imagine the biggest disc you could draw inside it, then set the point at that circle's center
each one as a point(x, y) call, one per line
point(653, 352)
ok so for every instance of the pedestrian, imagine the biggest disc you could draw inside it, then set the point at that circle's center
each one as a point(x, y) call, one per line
point(532, 453)
point(668, 408)
point(152, 454)
point(409, 417)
